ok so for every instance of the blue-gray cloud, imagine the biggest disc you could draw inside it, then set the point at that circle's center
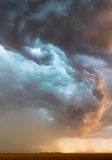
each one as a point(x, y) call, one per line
point(73, 96)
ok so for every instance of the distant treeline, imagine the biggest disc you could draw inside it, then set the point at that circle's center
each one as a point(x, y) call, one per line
point(50, 152)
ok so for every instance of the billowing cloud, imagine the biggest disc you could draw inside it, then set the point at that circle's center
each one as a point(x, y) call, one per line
point(55, 70)
point(71, 100)
point(71, 25)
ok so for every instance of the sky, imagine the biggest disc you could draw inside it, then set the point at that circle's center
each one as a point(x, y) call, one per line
point(55, 75)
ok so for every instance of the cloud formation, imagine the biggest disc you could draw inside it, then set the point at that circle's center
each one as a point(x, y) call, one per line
point(55, 68)
point(71, 25)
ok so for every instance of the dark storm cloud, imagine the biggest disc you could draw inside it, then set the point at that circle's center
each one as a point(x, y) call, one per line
point(68, 89)
point(72, 25)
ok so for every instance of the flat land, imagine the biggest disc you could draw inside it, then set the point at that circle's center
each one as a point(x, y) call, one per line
point(55, 156)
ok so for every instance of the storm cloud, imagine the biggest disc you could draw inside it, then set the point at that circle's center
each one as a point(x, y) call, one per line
point(55, 69)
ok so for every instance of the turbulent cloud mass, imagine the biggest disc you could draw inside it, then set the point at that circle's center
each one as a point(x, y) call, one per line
point(55, 73)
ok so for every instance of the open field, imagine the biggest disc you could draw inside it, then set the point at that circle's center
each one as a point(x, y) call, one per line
point(54, 156)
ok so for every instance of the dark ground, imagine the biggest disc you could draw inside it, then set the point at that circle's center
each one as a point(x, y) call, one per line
point(53, 156)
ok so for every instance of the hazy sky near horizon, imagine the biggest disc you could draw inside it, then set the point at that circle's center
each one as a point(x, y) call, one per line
point(55, 75)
